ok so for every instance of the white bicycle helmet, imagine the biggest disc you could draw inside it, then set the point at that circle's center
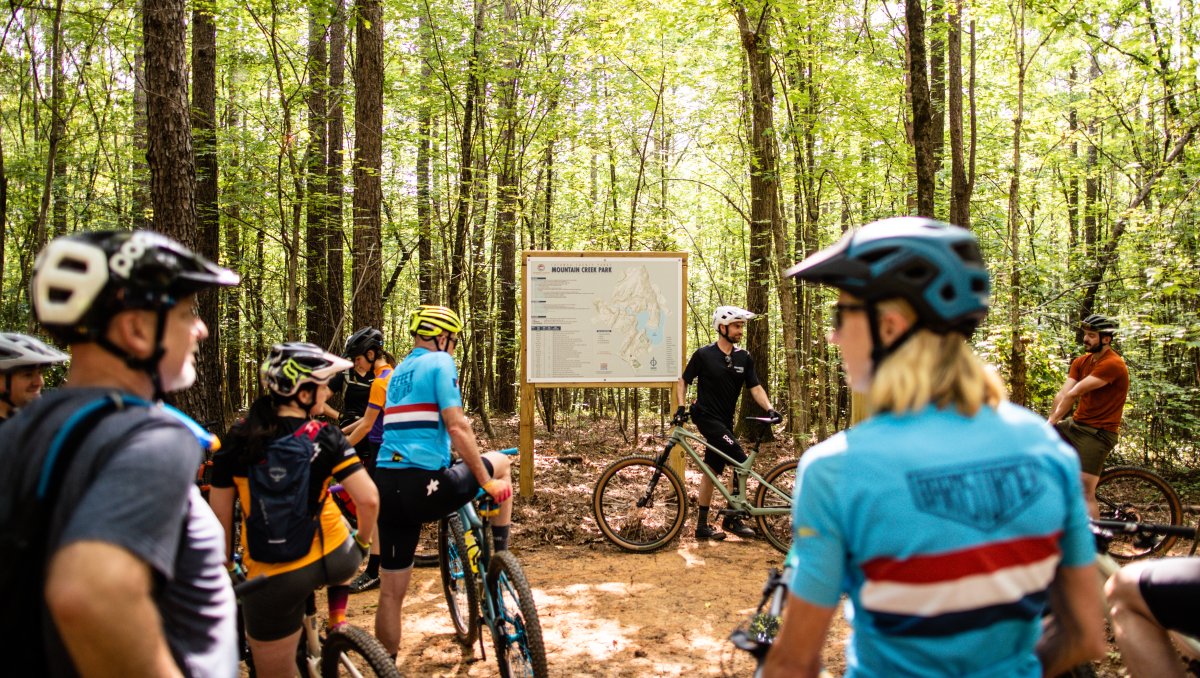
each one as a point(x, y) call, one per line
point(728, 314)
point(294, 364)
point(21, 350)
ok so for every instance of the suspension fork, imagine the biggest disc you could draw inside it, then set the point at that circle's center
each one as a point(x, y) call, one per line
point(658, 471)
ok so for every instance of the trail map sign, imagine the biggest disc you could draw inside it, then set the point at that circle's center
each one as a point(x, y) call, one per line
point(609, 319)
point(603, 319)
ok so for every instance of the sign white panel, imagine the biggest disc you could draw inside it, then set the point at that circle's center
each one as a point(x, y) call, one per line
point(603, 319)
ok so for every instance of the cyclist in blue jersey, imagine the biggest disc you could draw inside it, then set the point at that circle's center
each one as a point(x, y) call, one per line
point(417, 482)
point(949, 517)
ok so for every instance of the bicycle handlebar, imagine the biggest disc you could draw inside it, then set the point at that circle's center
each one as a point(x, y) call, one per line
point(1145, 528)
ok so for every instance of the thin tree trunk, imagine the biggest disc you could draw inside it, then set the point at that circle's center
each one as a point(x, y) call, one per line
point(3, 219)
point(368, 163)
point(937, 86)
point(319, 319)
point(1016, 362)
point(335, 171)
point(56, 128)
point(140, 203)
point(922, 122)
point(459, 237)
point(424, 168)
point(960, 201)
point(507, 190)
point(233, 301)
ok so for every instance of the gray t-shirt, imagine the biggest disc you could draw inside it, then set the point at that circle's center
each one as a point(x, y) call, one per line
point(145, 500)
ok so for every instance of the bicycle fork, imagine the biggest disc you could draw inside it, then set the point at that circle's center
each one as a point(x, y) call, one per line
point(644, 501)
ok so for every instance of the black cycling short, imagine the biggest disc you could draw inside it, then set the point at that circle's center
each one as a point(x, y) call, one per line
point(410, 497)
point(719, 436)
point(276, 609)
point(367, 452)
point(1171, 589)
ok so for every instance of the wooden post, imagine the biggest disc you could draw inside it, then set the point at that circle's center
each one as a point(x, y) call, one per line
point(528, 396)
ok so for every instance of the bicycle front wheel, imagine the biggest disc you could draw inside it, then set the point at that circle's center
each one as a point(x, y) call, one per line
point(638, 505)
point(518, 633)
point(1137, 495)
point(777, 528)
point(351, 651)
point(458, 580)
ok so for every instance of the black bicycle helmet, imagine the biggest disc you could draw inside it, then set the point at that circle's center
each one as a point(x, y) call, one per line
point(935, 267)
point(364, 340)
point(80, 281)
point(296, 363)
point(1099, 324)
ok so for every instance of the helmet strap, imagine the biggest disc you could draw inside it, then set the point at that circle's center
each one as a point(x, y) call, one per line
point(441, 345)
point(879, 351)
point(149, 364)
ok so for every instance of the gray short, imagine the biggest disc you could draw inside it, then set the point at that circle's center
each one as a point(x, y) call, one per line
point(1092, 444)
point(276, 610)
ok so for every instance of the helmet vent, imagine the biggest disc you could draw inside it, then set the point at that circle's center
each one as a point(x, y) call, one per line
point(877, 255)
point(58, 295)
point(917, 272)
point(72, 264)
point(979, 285)
point(948, 292)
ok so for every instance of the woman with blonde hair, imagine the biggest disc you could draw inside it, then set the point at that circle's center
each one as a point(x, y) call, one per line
point(949, 517)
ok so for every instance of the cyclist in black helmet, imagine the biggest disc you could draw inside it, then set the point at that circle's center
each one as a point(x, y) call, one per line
point(949, 516)
point(134, 577)
point(1096, 387)
point(355, 383)
point(23, 359)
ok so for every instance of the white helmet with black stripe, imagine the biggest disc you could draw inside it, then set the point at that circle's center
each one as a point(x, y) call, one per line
point(729, 314)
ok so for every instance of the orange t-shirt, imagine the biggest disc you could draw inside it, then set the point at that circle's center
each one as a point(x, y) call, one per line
point(1102, 407)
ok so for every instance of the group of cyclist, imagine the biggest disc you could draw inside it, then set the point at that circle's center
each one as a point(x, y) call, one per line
point(952, 519)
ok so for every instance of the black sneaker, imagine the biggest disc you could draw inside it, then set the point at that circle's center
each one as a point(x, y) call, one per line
point(707, 531)
point(364, 582)
point(735, 525)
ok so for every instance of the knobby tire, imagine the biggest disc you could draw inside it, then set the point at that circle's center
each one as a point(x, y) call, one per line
point(354, 646)
point(458, 582)
point(777, 528)
point(633, 528)
point(520, 652)
point(1135, 494)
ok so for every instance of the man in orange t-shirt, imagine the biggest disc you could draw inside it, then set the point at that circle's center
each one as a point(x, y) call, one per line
point(1098, 381)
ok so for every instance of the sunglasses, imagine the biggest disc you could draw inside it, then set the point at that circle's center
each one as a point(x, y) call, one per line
point(841, 308)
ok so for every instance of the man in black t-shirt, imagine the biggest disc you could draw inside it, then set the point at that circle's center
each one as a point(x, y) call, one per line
point(723, 369)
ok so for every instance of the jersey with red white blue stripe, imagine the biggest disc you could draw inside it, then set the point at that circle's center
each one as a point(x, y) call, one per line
point(414, 435)
point(945, 531)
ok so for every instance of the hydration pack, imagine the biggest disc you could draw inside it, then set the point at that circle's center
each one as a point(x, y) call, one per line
point(280, 524)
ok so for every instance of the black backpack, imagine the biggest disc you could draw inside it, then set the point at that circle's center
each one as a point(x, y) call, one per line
point(27, 515)
point(280, 524)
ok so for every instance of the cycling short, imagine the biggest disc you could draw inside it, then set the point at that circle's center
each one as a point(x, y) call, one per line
point(409, 498)
point(1171, 589)
point(368, 453)
point(276, 609)
point(719, 436)
point(1092, 444)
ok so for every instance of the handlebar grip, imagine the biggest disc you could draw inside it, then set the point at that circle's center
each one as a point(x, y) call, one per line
point(510, 451)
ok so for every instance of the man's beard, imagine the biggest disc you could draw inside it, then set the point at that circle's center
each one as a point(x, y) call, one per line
point(1094, 348)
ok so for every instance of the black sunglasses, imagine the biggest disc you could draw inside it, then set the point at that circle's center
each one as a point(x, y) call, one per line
point(842, 307)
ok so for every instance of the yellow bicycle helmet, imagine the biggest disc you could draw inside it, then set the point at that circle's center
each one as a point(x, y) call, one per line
point(430, 321)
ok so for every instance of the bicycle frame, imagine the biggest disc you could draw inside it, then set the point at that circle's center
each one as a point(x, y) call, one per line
point(738, 499)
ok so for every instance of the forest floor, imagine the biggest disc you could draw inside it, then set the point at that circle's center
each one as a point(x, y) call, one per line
point(606, 612)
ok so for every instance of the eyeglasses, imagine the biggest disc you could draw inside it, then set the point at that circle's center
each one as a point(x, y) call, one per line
point(841, 308)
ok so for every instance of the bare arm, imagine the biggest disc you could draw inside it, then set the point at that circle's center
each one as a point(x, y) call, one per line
point(463, 440)
point(221, 501)
point(1089, 383)
point(330, 412)
point(796, 651)
point(1062, 402)
point(362, 427)
point(760, 396)
point(89, 585)
point(366, 501)
point(681, 392)
point(1074, 634)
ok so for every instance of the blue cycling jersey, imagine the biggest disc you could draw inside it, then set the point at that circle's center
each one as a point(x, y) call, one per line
point(945, 531)
point(414, 435)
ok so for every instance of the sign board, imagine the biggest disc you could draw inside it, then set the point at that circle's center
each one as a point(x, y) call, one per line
point(603, 318)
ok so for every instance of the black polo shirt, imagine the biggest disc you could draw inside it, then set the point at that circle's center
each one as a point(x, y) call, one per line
point(722, 378)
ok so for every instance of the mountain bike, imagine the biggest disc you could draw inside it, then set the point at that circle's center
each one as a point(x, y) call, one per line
point(756, 634)
point(640, 502)
point(1131, 494)
point(426, 555)
point(345, 650)
point(488, 587)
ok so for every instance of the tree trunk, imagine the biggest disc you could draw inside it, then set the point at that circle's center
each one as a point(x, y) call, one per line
point(319, 319)
point(922, 122)
point(56, 129)
point(1016, 362)
point(458, 237)
point(368, 163)
point(425, 261)
point(507, 345)
point(232, 333)
point(3, 219)
point(208, 221)
point(141, 178)
point(477, 291)
point(1072, 187)
point(335, 176)
point(960, 200)
point(937, 86)
point(765, 216)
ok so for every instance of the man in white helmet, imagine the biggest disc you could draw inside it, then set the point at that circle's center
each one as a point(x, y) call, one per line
point(723, 369)
point(23, 359)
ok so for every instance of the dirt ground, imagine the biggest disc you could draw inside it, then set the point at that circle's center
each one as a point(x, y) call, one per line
point(606, 612)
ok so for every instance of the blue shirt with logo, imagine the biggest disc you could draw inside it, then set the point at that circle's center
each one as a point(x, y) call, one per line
point(414, 435)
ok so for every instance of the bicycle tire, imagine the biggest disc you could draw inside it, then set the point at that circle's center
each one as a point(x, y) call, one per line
point(517, 640)
point(427, 547)
point(777, 528)
point(1135, 494)
point(351, 651)
point(458, 582)
point(622, 521)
